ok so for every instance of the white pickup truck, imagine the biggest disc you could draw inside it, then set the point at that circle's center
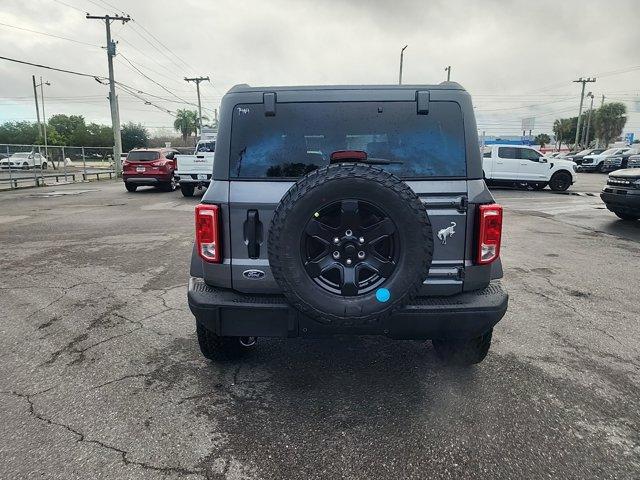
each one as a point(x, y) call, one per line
point(525, 166)
point(194, 171)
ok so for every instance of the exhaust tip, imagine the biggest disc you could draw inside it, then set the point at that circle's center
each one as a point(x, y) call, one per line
point(248, 341)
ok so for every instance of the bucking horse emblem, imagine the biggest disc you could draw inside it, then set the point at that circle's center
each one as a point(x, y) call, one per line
point(446, 232)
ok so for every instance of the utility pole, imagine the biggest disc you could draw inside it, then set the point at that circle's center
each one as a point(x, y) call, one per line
point(602, 102)
point(35, 96)
point(113, 99)
point(448, 70)
point(401, 59)
point(583, 81)
point(586, 135)
point(44, 118)
point(197, 81)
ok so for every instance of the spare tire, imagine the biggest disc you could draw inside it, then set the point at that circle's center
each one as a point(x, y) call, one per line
point(349, 244)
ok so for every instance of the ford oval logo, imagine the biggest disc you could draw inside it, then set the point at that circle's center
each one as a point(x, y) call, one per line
point(253, 274)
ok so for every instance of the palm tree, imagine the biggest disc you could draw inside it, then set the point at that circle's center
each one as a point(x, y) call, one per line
point(186, 123)
point(561, 129)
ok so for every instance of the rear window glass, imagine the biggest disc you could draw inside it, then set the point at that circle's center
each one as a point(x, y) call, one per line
point(143, 156)
point(301, 137)
point(206, 147)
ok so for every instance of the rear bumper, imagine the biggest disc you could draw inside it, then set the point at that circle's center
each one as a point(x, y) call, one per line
point(229, 313)
point(193, 178)
point(146, 180)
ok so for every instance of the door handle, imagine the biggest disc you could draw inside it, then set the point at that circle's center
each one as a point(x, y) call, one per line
point(253, 233)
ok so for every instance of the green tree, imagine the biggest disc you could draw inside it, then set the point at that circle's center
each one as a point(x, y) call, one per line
point(186, 122)
point(99, 135)
point(23, 133)
point(542, 140)
point(71, 129)
point(134, 135)
point(610, 120)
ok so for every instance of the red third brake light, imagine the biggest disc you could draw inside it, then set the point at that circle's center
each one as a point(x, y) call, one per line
point(207, 238)
point(489, 233)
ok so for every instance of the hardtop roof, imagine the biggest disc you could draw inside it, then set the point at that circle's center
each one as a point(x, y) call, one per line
point(245, 88)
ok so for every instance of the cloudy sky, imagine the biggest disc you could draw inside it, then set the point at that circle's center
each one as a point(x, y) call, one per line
point(517, 58)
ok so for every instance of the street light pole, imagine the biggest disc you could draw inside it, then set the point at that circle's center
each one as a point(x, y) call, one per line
point(401, 59)
point(448, 70)
point(586, 135)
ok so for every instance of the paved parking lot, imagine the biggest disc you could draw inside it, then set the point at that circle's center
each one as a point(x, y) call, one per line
point(102, 377)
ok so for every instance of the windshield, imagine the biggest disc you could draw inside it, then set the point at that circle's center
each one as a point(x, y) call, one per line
point(584, 152)
point(206, 147)
point(611, 151)
point(143, 156)
point(301, 138)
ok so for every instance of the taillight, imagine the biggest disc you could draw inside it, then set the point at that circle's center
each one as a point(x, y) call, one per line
point(489, 233)
point(207, 234)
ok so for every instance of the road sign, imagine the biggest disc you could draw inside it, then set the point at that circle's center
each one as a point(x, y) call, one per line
point(528, 123)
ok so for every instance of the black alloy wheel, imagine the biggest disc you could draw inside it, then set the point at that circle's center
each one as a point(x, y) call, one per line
point(350, 247)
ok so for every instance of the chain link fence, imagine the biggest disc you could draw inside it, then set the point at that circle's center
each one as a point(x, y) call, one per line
point(40, 165)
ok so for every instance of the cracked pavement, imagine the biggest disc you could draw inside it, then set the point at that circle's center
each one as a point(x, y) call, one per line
point(101, 376)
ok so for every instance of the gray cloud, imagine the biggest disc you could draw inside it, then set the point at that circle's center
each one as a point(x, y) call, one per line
point(508, 54)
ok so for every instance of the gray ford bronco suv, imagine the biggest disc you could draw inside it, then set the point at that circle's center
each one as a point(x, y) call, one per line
point(347, 210)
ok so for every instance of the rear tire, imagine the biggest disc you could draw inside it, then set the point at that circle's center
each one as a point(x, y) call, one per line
point(44, 165)
point(130, 187)
point(601, 167)
point(560, 181)
point(463, 352)
point(170, 186)
point(187, 189)
point(216, 348)
point(627, 216)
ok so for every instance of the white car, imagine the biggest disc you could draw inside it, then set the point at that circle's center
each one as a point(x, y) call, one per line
point(25, 160)
point(595, 163)
point(525, 166)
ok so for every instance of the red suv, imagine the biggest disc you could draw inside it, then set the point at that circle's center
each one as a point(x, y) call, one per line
point(150, 166)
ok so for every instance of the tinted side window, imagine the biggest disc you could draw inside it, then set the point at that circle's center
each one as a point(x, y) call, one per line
point(528, 154)
point(302, 136)
point(507, 152)
point(486, 154)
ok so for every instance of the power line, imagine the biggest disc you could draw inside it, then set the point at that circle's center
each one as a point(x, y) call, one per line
point(51, 35)
point(96, 77)
point(155, 82)
point(157, 40)
point(70, 6)
point(156, 48)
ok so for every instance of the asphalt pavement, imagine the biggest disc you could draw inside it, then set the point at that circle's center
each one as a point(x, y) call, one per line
point(101, 376)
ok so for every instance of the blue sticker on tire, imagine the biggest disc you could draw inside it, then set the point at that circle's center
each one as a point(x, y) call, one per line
point(383, 295)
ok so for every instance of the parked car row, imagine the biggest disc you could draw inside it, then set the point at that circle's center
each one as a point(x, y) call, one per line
point(165, 168)
point(607, 160)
